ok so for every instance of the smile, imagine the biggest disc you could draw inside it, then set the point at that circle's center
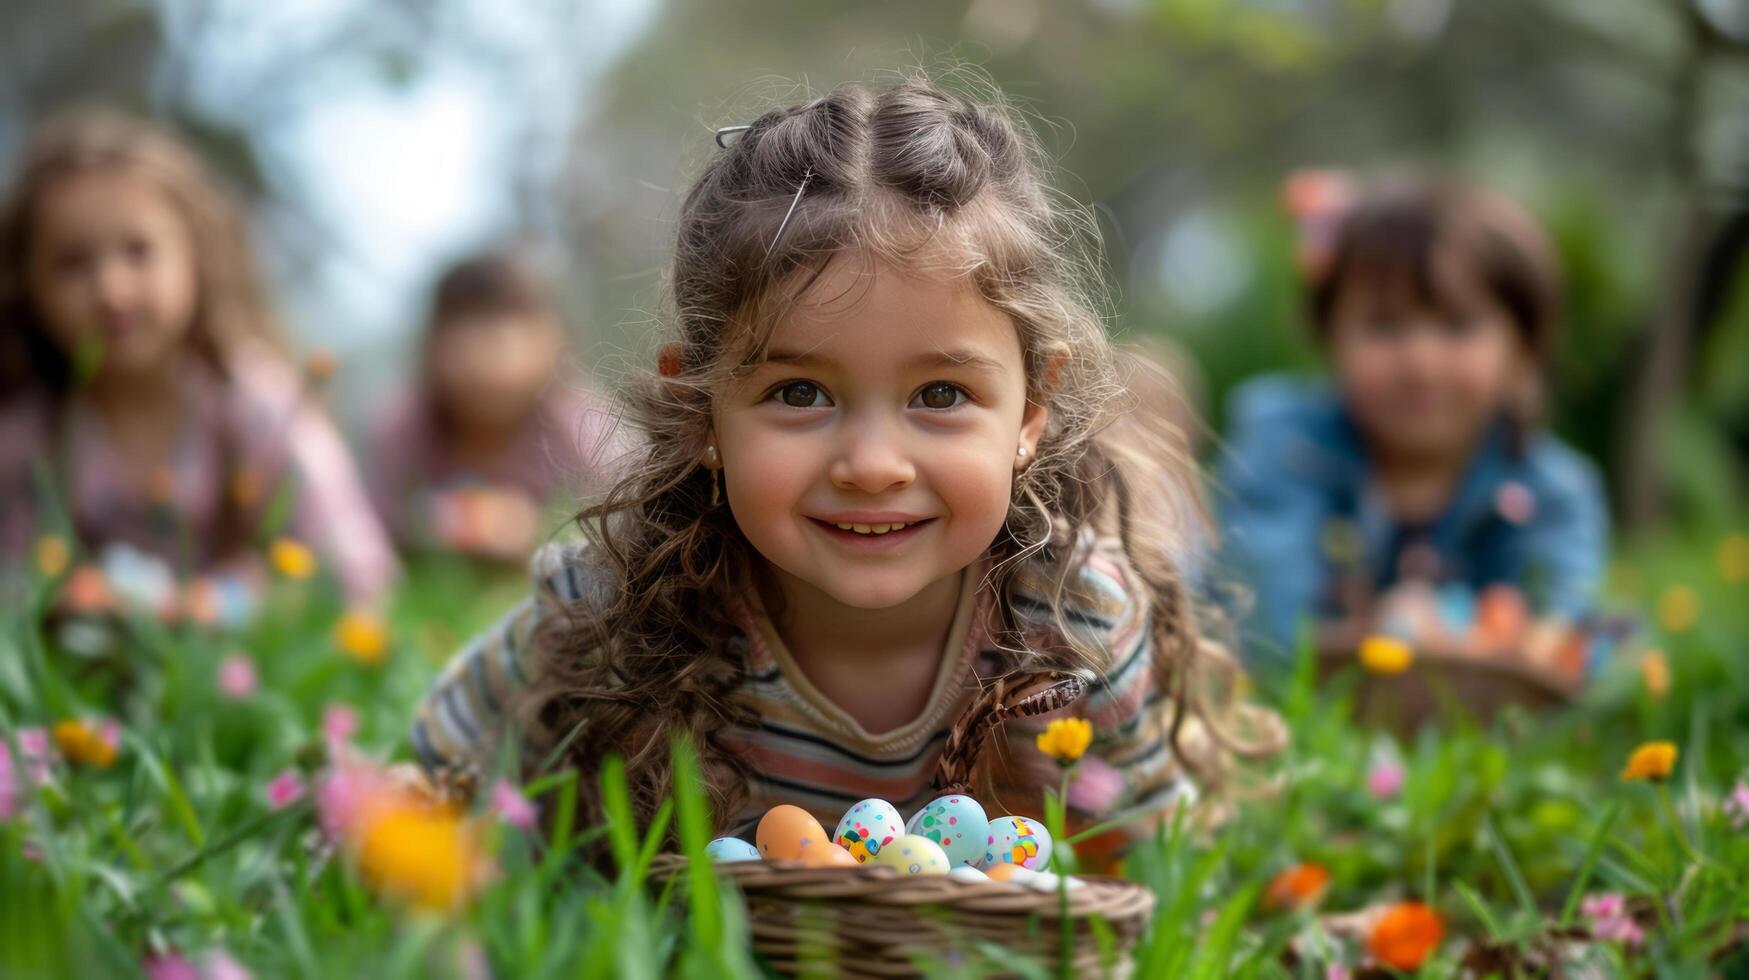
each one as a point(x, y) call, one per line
point(856, 532)
point(874, 528)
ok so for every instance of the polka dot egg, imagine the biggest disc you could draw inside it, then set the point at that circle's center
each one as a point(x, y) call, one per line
point(957, 823)
point(914, 855)
point(867, 827)
point(1020, 841)
point(731, 849)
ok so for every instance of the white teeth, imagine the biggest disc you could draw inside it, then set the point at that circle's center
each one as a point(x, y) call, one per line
point(871, 528)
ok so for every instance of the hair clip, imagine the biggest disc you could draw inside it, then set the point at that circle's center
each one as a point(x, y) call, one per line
point(807, 175)
point(727, 131)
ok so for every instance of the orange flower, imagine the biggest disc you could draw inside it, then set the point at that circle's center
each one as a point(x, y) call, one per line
point(1386, 655)
point(291, 559)
point(1652, 761)
point(1655, 673)
point(52, 555)
point(418, 852)
point(1405, 935)
point(1678, 609)
point(1300, 886)
point(362, 637)
point(1734, 558)
point(86, 743)
point(87, 591)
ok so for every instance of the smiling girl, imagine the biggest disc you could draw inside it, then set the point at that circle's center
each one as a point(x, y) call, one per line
point(881, 474)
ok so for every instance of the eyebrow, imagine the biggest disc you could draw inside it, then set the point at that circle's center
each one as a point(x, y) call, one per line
point(948, 358)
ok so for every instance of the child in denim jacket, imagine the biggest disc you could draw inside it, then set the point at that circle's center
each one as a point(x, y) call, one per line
point(1423, 460)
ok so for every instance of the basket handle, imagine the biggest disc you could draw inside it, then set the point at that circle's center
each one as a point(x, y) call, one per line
point(1015, 695)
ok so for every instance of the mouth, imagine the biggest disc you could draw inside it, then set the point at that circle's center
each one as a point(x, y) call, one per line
point(872, 532)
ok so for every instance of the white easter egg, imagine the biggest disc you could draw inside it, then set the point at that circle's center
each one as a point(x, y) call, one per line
point(867, 827)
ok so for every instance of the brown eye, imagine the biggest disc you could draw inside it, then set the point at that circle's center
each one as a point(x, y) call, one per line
point(940, 394)
point(803, 394)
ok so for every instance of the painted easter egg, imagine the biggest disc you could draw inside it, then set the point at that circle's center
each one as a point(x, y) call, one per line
point(867, 827)
point(955, 822)
point(914, 855)
point(785, 830)
point(1010, 872)
point(731, 849)
point(1020, 841)
point(825, 854)
point(963, 873)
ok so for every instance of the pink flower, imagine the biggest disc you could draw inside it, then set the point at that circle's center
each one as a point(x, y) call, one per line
point(339, 723)
point(170, 966)
point(285, 789)
point(220, 965)
point(1336, 971)
point(1384, 781)
point(9, 788)
point(33, 750)
point(1096, 786)
point(341, 796)
point(237, 679)
point(1610, 921)
point(513, 808)
point(1737, 805)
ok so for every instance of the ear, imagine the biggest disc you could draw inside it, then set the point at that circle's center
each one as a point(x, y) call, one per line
point(668, 360)
point(1032, 428)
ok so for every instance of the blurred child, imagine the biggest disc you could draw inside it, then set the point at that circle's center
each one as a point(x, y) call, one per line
point(493, 433)
point(146, 405)
point(1424, 459)
point(880, 479)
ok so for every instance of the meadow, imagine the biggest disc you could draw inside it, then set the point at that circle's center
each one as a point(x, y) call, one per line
point(161, 807)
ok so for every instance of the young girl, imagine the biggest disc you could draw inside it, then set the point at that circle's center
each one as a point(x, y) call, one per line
point(1437, 305)
point(145, 406)
point(879, 476)
point(492, 434)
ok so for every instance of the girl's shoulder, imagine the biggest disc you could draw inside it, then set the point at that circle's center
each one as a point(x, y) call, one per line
point(1098, 603)
point(569, 574)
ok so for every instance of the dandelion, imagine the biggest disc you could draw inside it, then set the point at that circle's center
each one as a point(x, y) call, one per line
point(1384, 781)
point(1678, 609)
point(1655, 674)
point(1652, 761)
point(1386, 655)
point(87, 743)
point(1734, 558)
point(291, 559)
point(1300, 886)
point(1066, 739)
point(418, 853)
point(362, 637)
point(511, 806)
point(285, 789)
point(237, 678)
point(1405, 935)
point(52, 555)
point(339, 723)
point(1610, 921)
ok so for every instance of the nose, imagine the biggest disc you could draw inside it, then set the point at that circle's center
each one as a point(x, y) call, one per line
point(872, 459)
point(114, 283)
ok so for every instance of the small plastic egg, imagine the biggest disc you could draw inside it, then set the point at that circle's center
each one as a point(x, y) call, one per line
point(955, 822)
point(1045, 881)
point(725, 849)
point(963, 873)
point(867, 827)
point(1009, 872)
point(914, 855)
point(785, 830)
point(825, 854)
point(1017, 840)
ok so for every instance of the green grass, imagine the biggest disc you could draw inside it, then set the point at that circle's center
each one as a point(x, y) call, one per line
point(1503, 829)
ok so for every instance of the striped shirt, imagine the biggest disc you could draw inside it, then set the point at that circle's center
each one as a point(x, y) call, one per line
point(808, 751)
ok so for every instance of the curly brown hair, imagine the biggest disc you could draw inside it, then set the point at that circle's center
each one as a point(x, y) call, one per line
point(886, 171)
point(231, 308)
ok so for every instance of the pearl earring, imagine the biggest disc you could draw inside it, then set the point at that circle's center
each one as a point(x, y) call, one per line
point(710, 455)
point(1021, 452)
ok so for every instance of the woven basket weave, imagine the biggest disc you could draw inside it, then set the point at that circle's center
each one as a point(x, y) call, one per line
point(873, 921)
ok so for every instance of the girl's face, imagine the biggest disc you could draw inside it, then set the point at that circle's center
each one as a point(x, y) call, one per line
point(112, 264)
point(488, 369)
point(1425, 382)
point(873, 452)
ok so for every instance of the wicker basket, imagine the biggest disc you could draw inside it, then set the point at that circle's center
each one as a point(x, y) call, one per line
point(873, 921)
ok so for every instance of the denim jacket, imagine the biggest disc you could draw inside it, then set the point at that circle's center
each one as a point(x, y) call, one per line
point(1297, 505)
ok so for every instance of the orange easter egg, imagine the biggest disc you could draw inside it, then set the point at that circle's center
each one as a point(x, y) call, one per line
point(825, 854)
point(785, 830)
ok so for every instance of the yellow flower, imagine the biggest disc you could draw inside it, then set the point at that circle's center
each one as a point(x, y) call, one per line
point(85, 743)
point(419, 852)
point(1678, 608)
point(362, 637)
point(1653, 761)
point(291, 559)
point(1066, 739)
point(1734, 558)
point(52, 555)
point(1385, 655)
point(1655, 672)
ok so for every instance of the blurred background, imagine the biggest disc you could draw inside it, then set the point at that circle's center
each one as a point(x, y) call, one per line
point(378, 139)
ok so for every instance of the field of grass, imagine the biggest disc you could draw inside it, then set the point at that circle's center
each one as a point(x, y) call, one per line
point(190, 850)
